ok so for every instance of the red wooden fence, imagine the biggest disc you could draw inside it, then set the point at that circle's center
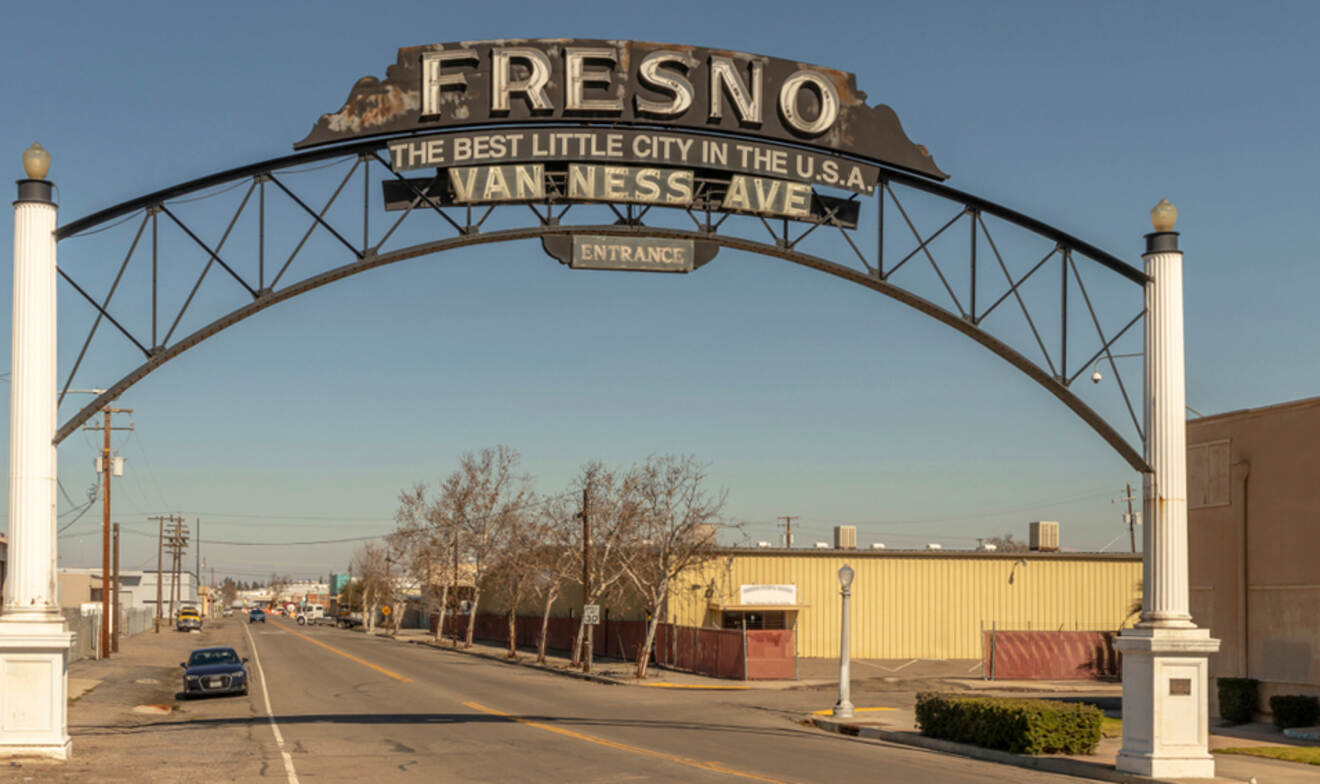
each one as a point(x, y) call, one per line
point(1043, 655)
point(769, 653)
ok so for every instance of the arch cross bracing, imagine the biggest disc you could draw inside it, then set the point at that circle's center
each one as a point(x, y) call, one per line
point(1017, 286)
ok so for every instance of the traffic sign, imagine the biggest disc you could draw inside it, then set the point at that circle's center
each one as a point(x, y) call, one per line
point(591, 614)
point(385, 610)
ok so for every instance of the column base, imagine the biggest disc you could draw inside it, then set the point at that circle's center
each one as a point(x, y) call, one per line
point(34, 689)
point(1165, 702)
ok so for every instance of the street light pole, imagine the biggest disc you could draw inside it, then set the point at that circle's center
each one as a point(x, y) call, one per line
point(843, 709)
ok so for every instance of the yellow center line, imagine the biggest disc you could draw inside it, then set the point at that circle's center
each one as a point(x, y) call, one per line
point(396, 676)
point(830, 711)
point(716, 767)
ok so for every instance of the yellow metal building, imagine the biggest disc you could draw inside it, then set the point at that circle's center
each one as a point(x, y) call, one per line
point(912, 604)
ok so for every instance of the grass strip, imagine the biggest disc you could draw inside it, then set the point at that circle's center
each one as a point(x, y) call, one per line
point(1307, 754)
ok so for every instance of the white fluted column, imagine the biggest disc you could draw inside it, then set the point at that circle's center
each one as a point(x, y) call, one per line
point(1164, 505)
point(34, 645)
point(1165, 658)
point(30, 594)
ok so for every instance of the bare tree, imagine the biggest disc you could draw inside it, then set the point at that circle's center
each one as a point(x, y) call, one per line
point(675, 513)
point(369, 565)
point(487, 498)
point(560, 557)
point(1007, 544)
point(228, 591)
point(515, 568)
point(611, 507)
point(421, 538)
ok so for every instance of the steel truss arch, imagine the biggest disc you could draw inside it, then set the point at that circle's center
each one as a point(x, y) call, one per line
point(708, 226)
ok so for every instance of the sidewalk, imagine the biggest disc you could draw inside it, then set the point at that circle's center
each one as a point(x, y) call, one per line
point(614, 672)
point(128, 723)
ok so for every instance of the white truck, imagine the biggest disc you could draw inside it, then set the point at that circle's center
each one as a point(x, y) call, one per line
point(313, 614)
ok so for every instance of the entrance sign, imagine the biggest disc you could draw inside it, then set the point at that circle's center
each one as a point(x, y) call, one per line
point(651, 254)
point(628, 251)
point(486, 83)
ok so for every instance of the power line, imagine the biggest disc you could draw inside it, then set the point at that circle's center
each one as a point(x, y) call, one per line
point(151, 472)
point(273, 544)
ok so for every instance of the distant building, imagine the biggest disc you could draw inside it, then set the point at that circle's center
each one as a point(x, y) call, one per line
point(1254, 542)
point(137, 588)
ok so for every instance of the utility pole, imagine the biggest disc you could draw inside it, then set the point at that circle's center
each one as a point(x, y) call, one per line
point(589, 637)
point(197, 560)
point(160, 552)
point(114, 634)
point(1131, 518)
point(454, 615)
point(788, 529)
point(105, 469)
point(177, 542)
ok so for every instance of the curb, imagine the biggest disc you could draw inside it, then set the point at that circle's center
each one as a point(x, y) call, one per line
point(1063, 765)
point(531, 665)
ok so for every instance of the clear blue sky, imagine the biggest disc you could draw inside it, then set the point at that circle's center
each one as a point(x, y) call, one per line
point(807, 395)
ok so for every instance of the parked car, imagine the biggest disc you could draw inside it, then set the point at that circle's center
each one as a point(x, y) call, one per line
point(256, 615)
point(228, 611)
point(188, 620)
point(214, 671)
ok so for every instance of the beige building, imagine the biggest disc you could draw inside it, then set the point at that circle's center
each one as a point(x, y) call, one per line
point(910, 604)
point(1253, 486)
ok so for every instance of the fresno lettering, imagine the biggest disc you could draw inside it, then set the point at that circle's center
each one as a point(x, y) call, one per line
point(594, 84)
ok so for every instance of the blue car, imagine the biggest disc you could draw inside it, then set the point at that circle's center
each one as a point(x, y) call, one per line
point(214, 671)
point(257, 614)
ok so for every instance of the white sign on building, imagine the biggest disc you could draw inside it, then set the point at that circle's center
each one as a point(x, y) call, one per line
point(767, 594)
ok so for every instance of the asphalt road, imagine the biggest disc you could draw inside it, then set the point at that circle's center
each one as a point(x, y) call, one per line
point(348, 707)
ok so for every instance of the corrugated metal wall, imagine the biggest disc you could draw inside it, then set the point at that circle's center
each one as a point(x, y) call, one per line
point(923, 606)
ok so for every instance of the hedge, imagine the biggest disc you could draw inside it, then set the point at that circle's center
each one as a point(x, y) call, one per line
point(1294, 710)
point(1015, 725)
point(1238, 698)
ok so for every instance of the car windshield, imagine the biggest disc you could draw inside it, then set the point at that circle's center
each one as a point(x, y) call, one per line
point(222, 656)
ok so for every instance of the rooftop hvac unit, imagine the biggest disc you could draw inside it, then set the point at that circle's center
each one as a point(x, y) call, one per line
point(933, 546)
point(987, 548)
point(845, 537)
point(877, 545)
point(763, 545)
point(1045, 536)
point(822, 545)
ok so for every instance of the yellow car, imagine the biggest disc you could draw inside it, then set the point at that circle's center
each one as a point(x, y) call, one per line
point(188, 620)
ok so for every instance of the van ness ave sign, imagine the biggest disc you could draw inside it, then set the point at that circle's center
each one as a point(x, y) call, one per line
point(560, 81)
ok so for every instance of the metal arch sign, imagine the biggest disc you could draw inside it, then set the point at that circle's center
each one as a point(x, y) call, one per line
point(624, 83)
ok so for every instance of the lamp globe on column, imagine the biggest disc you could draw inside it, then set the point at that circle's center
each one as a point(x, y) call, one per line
point(36, 162)
point(846, 577)
point(1163, 216)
